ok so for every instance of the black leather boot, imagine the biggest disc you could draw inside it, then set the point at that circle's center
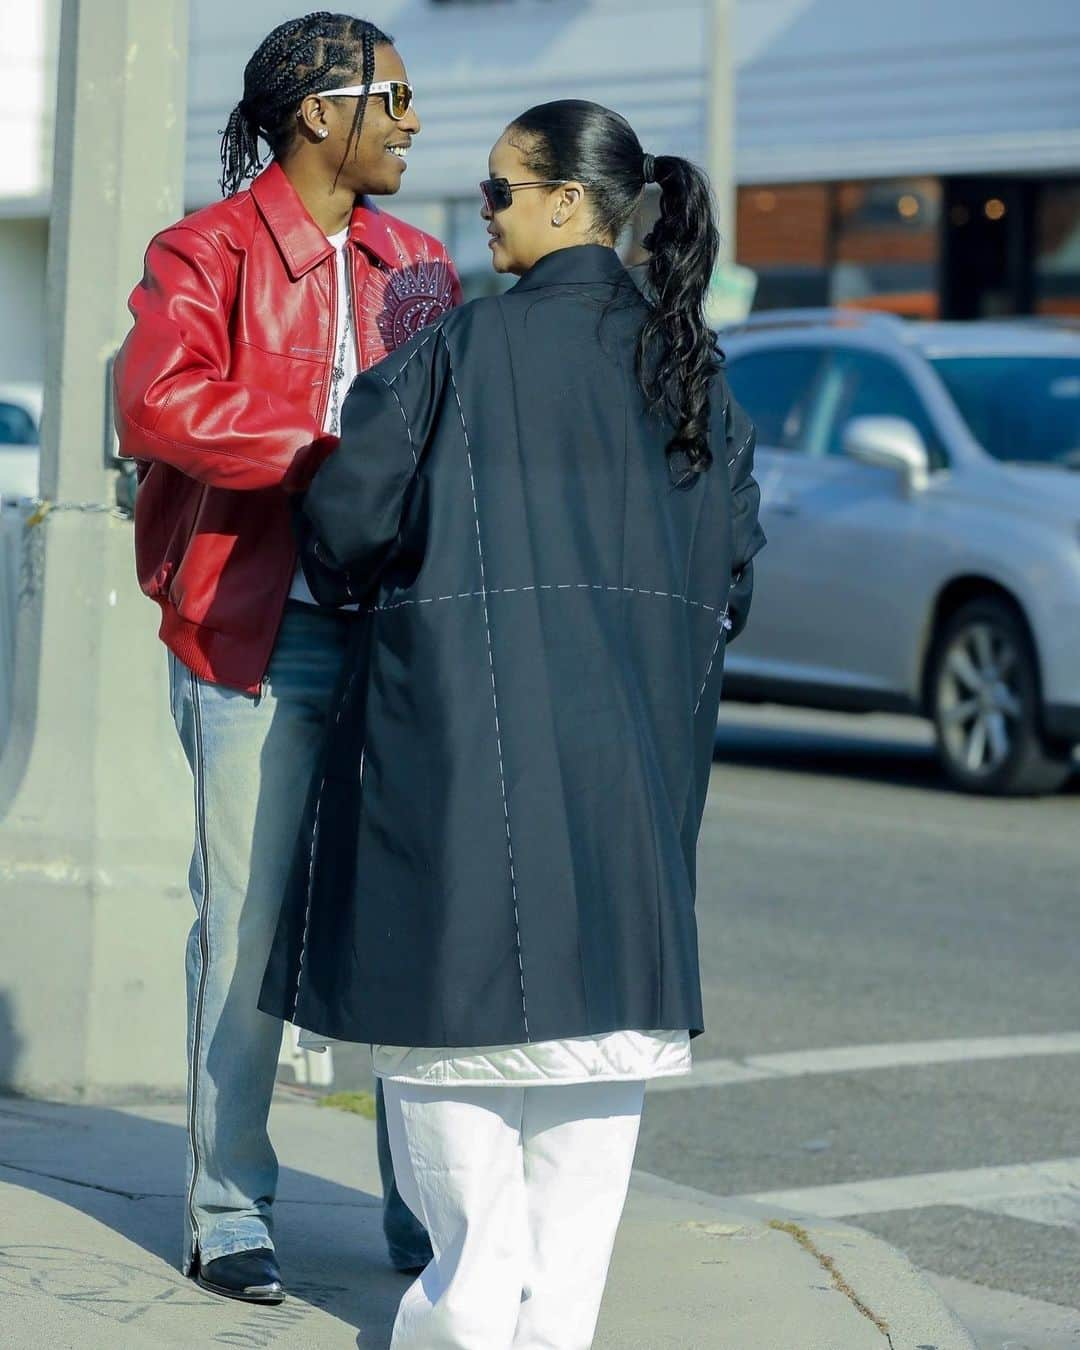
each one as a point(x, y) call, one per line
point(251, 1277)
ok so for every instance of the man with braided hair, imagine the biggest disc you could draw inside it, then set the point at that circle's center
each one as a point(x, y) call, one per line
point(251, 320)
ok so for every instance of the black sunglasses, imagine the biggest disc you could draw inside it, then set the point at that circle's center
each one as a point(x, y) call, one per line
point(498, 193)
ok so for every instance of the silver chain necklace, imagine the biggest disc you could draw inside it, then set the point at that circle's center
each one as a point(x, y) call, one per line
point(338, 372)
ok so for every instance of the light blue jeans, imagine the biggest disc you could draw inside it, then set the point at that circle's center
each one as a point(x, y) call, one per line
point(252, 759)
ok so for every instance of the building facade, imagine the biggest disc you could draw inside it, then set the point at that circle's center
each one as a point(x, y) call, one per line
point(922, 157)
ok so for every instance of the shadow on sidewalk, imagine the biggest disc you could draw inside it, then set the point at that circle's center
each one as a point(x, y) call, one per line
point(125, 1172)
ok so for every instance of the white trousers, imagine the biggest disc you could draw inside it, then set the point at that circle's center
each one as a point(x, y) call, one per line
point(521, 1190)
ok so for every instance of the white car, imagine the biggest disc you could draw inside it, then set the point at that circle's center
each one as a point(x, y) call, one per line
point(20, 425)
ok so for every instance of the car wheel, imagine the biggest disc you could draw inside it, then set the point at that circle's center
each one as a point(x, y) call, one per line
point(984, 699)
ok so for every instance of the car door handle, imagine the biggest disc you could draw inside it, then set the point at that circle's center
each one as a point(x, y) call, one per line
point(785, 506)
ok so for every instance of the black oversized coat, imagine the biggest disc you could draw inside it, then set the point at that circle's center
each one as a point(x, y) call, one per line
point(500, 842)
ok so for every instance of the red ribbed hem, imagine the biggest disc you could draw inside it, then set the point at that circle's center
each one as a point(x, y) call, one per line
point(220, 658)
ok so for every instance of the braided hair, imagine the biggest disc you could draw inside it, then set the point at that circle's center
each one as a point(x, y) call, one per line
point(298, 58)
point(677, 357)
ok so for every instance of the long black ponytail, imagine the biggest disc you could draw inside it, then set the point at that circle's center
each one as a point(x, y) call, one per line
point(677, 356)
point(677, 352)
point(297, 59)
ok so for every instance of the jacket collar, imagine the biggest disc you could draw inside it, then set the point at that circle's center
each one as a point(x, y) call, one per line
point(301, 241)
point(373, 230)
point(582, 264)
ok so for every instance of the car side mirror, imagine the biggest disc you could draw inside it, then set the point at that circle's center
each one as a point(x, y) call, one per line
point(889, 443)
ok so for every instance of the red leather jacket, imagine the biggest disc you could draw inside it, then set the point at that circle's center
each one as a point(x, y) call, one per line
point(221, 392)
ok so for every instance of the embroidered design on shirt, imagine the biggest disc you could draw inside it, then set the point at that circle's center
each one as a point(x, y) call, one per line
point(399, 301)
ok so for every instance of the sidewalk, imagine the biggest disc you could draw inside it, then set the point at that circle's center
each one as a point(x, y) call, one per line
point(90, 1201)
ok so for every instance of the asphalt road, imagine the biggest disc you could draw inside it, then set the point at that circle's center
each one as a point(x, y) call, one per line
point(847, 898)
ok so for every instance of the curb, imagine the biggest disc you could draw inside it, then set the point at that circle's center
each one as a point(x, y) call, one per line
point(880, 1281)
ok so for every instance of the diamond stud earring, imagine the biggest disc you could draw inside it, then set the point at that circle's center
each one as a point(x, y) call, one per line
point(322, 133)
point(556, 220)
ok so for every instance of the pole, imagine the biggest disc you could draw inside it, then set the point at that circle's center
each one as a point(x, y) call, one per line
point(93, 791)
point(720, 131)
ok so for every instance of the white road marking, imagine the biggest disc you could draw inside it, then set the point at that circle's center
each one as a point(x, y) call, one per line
point(1042, 1192)
point(711, 1073)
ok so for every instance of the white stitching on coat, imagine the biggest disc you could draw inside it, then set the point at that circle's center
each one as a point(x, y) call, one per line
point(494, 695)
point(343, 703)
point(401, 410)
point(435, 330)
point(749, 437)
point(708, 669)
point(310, 892)
point(546, 586)
point(723, 623)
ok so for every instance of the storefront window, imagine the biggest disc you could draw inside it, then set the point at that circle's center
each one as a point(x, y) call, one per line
point(782, 232)
point(885, 245)
point(1057, 249)
point(872, 244)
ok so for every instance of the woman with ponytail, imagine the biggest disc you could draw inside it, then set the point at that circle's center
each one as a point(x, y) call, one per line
point(544, 506)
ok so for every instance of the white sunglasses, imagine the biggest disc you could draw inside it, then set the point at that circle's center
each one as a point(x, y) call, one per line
point(399, 95)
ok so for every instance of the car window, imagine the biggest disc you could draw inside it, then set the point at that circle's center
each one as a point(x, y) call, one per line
point(860, 384)
point(1025, 409)
point(16, 426)
point(775, 388)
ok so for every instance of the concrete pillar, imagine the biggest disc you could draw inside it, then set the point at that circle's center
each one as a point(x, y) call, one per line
point(720, 131)
point(95, 814)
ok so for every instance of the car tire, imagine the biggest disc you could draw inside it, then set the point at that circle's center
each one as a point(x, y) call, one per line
point(985, 703)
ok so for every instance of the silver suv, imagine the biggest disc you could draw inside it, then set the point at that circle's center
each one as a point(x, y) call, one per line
point(921, 496)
